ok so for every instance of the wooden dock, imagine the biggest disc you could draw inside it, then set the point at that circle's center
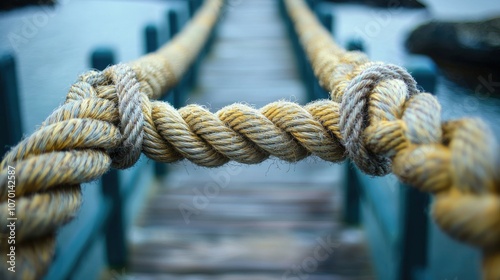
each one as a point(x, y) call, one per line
point(274, 220)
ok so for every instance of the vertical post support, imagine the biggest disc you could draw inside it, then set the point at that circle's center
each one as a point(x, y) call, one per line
point(151, 38)
point(173, 22)
point(355, 45)
point(414, 203)
point(311, 3)
point(116, 249)
point(352, 189)
point(101, 58)
point(281, 8)
point(414, 227)
point(191, 8)
point(327, 21)
point(10, 115)
point(194, 5)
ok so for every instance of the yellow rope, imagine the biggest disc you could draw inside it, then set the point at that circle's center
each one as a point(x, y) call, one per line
point(376, 116)
point(82, 139)
point(458, 161)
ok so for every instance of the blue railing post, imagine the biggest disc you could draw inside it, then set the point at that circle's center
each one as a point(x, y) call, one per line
point(356, 45)
point(116, 249)
point(414, 225)
point(414, 204)
point(352, 189)
point(101, 58)
point(327, 21)
point(193, 7)
point(151, 38)
point(281, 8)
point(10, 115)
point(311, 4)
point(173, 22)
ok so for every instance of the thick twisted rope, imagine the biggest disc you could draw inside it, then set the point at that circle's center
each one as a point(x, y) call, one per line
point(384, 119)
point(102, 124)
point(376, 117)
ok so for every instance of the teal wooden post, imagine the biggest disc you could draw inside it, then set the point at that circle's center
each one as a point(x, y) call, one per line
point(116, 249)
point(151, 38)
point(10, 115)
point(352, 196)
point(355, 45)
point(414, 226)
point(194, 5)
point(414, 204)
point(173, 22)
point(101, 58)
point(327, 21)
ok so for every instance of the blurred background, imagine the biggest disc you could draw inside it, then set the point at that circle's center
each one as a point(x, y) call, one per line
point(275, 220)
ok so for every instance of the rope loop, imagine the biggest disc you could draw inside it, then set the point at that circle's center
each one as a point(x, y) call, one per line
point(371, 96)
point(131, 117)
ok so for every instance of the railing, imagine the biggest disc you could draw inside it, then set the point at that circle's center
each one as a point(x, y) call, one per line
point(109, 221)
point(403, 229)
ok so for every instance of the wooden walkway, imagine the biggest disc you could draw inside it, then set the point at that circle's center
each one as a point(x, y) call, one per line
point(274, 220)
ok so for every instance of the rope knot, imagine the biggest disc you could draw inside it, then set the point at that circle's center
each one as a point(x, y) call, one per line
point(118, 84)
point(85, 86)
point(130, 106)
point(345, 68)
point(377, 93)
